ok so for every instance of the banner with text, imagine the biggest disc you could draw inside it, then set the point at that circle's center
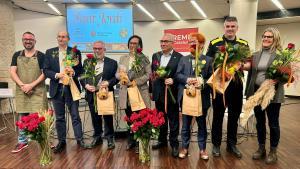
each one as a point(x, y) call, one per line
point(181, 38)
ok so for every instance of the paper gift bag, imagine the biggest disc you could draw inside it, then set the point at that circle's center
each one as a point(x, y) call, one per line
point(192, 106)
point(106, 106)
point(135, 99)
point(74, 90)
point(216, 80)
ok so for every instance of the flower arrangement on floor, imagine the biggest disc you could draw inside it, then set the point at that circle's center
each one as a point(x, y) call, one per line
point(282, 70)
point(145, 125)
point(38, 127)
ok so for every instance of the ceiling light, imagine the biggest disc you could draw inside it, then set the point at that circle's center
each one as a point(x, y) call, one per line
point(54, 8)
point(76, 1)
point(168, 6)
point(145, 11)
point(105, 1)
point(194, 3)
point(278, 4)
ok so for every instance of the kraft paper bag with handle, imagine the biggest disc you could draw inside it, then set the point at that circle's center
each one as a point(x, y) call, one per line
point(135, 99)
point(192, 106)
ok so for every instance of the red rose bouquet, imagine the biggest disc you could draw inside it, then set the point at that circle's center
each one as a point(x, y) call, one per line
point(145, 125)
point(38, 127)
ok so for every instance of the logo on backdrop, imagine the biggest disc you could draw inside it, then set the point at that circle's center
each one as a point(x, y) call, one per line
point(181, 38)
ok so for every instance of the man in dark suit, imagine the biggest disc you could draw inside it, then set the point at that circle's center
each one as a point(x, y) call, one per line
point(166, 58)
point(61, 95)
point(106, 69)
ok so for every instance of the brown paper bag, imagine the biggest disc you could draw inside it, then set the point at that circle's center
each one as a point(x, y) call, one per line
point(106, 106)
point(74, 90)
point(218, 82)
point(135, 99)
point(192, 106)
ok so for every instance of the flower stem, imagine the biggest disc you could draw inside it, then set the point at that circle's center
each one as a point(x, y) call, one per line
point(171, 94)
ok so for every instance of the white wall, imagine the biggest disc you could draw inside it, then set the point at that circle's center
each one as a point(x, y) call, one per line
point(45, 28)
point(151, 32)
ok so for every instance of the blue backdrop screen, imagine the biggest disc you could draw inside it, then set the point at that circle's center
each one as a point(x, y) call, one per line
point(87, 24)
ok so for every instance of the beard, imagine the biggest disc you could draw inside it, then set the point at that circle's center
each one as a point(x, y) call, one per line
point(28, 46)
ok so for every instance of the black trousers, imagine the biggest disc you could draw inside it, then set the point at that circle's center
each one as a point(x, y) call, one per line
point(171, 119)
point(97, 123)
point(60, 100)
point(234, 101)
point(273, 118)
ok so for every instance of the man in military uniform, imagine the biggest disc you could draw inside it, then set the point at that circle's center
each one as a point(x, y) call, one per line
point(233, 94)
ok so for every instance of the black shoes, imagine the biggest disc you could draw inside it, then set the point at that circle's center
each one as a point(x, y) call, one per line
point(216, 151)
point(97, 141)
point(234, 150)
point(175, 151)
point(272, 156)
point(159, 145)
point(260, 153)
point(82, 144)
point(110, 144)
point(61, 146)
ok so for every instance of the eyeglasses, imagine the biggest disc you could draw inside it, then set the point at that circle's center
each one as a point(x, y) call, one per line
point(165, 41)
point(97, 48)
point(133, 43)
point(268, 37)
point(30, 40)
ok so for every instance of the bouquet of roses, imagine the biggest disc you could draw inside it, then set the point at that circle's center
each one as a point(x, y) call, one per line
point(71, 59)
point(90, 72)
point(229, 57)
point(145, 125)
point(136, 64)
point(283, 66)
point(163, 73)
point(282, 70)
point(38, 127)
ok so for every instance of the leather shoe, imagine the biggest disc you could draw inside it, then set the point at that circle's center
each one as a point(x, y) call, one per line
point(97, 141)
point(82, 144)
point(159, 145)
point(216, 151)
point(175, 151)
point(59, 147)
point(110, 144)
point(234, 150)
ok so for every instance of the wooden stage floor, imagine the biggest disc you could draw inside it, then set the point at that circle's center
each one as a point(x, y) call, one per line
point(74, 157)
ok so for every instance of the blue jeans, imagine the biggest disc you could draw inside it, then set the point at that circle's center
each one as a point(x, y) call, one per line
point(186, 130)
point(22, 138)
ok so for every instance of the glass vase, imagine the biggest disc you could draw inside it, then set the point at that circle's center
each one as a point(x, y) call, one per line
point(144, 150)
point(46, 153)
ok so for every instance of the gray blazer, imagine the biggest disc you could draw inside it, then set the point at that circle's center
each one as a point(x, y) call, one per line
point(141, 79)
point(252, 75)
point(185, 70)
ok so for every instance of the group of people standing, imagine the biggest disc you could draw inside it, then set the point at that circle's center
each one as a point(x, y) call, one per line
point(31, 96)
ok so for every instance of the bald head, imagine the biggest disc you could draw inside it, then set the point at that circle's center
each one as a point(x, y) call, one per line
point(63, 39)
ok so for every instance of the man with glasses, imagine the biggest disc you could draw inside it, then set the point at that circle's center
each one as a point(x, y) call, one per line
point(54, 68)
point(233, 94)
point(106, 69)
point(26, 71)
point(169, 59)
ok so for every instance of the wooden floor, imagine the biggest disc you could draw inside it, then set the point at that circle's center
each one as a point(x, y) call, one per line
point(100, 157)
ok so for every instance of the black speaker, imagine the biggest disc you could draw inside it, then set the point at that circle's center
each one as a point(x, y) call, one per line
point(3, 85)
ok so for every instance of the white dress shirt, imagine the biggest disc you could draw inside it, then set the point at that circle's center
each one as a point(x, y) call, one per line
point(165, 58)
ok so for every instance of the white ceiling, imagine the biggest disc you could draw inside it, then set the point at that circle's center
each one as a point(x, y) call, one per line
point(213, 8)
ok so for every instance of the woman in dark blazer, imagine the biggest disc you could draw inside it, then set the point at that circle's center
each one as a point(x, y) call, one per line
point(261, 61)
